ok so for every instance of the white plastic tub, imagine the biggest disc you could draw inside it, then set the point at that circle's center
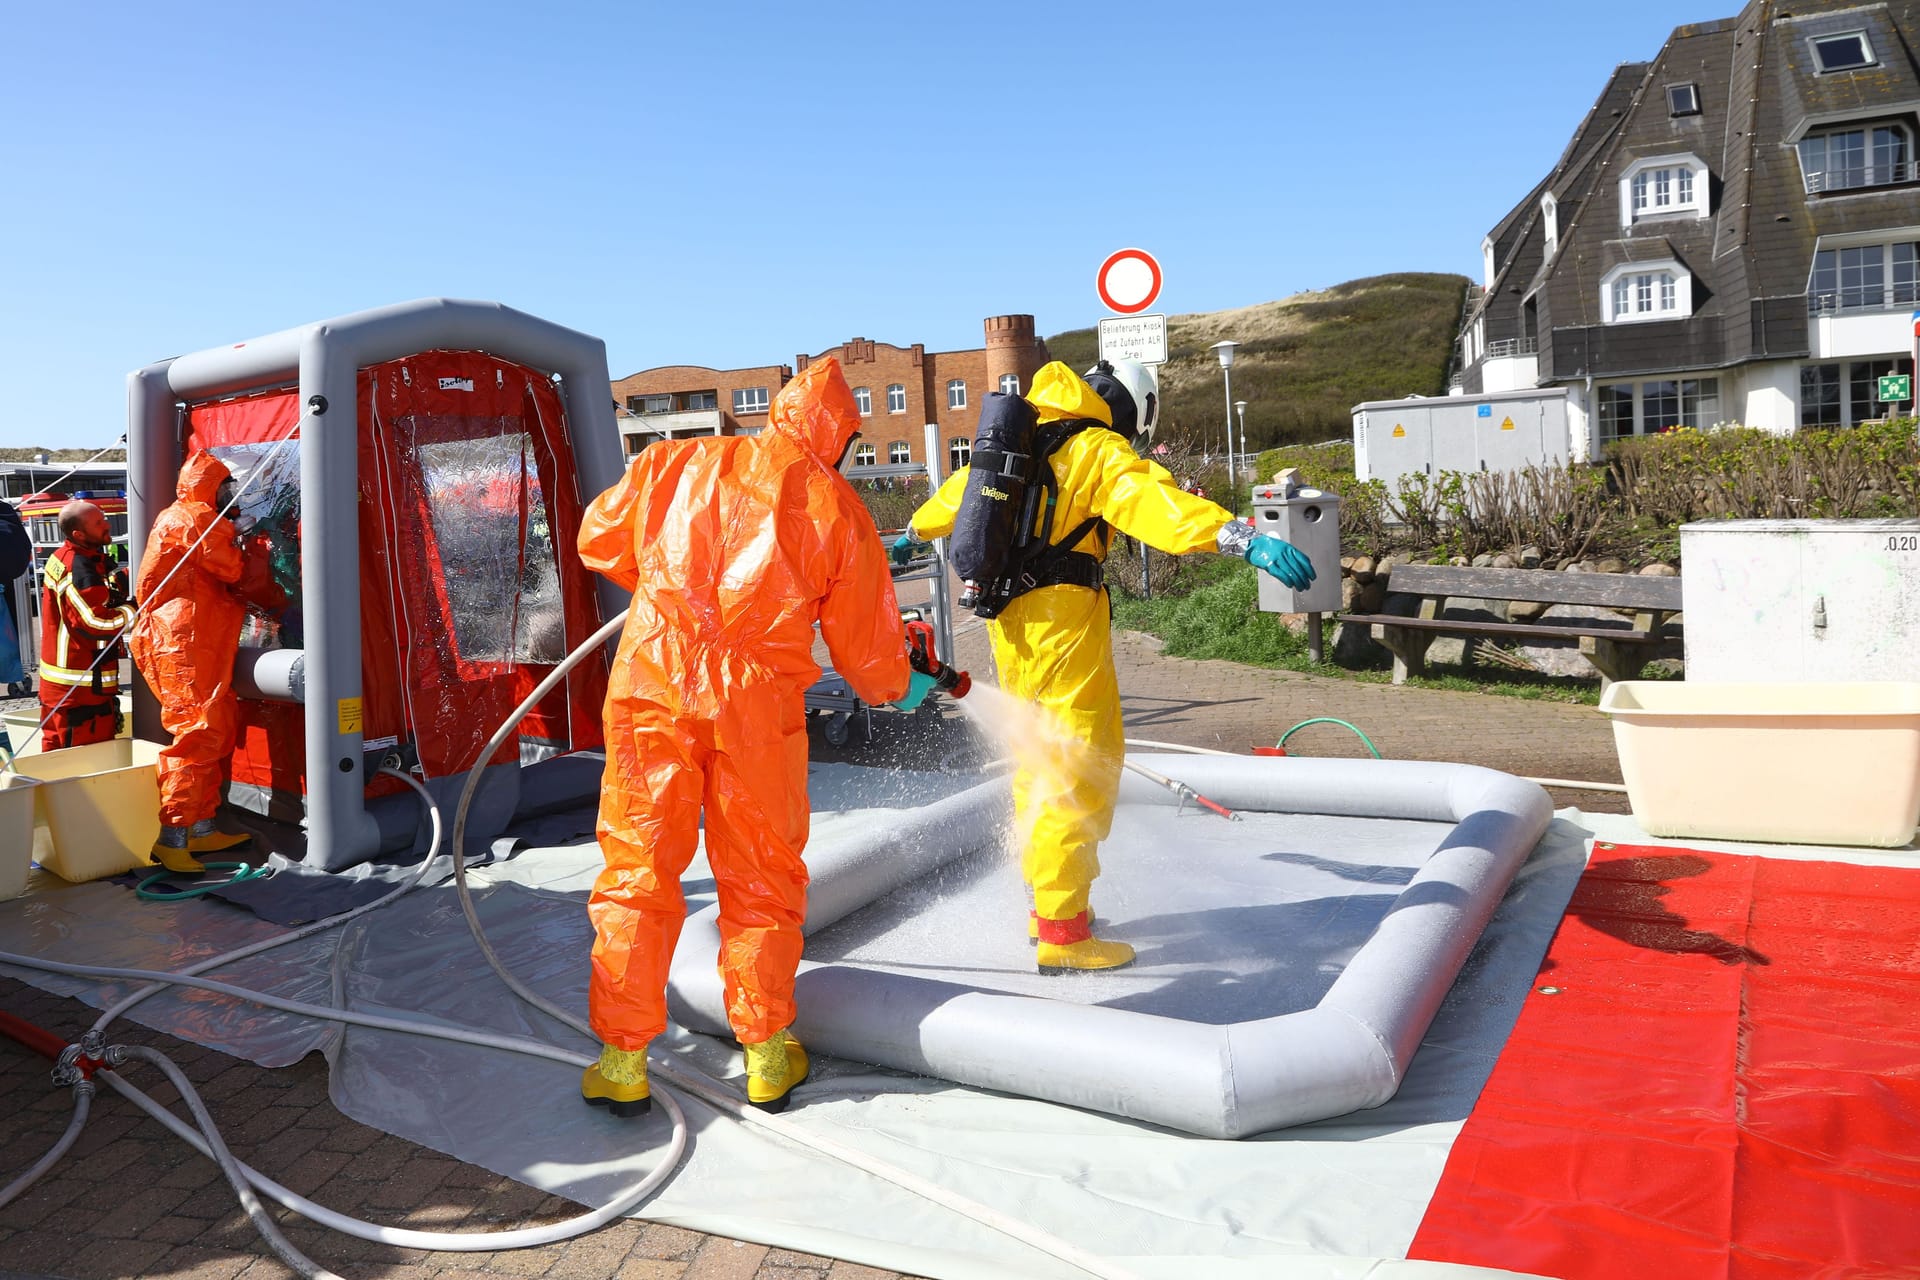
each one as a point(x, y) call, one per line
point(98, 807)
point(16, 833)
point(1784, 763)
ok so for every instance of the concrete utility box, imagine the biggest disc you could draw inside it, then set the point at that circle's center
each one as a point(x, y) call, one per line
point(1500, 431)
point(1801, 600)
point(1310, 520)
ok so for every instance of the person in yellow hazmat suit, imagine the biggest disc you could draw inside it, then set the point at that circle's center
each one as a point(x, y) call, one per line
point(1053, 644)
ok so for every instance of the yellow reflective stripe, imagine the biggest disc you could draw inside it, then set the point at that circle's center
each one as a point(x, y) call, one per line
point(87, 615)
point(109, 675)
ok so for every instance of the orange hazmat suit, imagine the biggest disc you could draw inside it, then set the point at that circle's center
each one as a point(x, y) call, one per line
point(186, 637)
point(733, 548)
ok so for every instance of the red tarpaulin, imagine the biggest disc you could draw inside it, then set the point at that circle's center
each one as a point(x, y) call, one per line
point(1717, 1074)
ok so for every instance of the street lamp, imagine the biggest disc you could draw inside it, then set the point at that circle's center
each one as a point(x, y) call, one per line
point(1225, 351)
point(1240, 407)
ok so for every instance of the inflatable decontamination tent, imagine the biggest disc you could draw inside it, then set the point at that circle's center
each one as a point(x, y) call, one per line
point(415, 476)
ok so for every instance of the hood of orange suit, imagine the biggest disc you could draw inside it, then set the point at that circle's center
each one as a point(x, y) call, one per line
point(817, 409)
point(201, 478)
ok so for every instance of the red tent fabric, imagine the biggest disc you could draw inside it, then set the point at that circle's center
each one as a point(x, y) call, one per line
point(469, 510)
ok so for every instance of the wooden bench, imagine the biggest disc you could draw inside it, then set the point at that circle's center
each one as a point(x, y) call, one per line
point(1618, 652)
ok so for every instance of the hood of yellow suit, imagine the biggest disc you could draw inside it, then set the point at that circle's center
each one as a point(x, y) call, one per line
point(1060, 393)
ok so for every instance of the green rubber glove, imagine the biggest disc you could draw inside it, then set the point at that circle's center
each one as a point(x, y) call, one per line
point(1282, 559)
point(905, 548)
point(919, 685)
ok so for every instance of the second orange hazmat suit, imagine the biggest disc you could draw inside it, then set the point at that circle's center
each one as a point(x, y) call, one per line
point(186, 637)
point(733, 547)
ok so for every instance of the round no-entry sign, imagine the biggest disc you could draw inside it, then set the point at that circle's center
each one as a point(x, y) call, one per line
point(1129, 281)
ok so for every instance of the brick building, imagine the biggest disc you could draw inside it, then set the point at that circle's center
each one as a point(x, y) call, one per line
point(899, 389)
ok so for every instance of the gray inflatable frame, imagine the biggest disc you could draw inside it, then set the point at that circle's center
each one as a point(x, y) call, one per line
point(1348, 1052)
point(324, 360)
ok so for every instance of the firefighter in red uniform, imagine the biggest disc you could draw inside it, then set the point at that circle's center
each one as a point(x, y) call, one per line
point(83, 611)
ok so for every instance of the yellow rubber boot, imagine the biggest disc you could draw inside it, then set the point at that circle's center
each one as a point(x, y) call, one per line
point(171, 851)
point(203, 837)
point(1069, 945)
point(618, 1082)
point(774, 1067)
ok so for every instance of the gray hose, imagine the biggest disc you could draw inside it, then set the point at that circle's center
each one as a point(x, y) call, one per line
point(256, 1212)
point(82, 1103)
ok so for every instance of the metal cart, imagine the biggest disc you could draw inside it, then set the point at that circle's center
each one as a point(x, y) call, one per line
point(831, 695)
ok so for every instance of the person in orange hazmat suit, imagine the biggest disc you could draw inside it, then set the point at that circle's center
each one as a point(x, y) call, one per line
point(184, 645)
point(1053, 644)
point(733, 547)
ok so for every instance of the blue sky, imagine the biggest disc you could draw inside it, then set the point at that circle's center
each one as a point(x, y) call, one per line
point(730, 184)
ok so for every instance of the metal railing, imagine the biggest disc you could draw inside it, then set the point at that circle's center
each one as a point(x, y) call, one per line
point(1505, 348)
point(1855, 176)
point(1876, 297)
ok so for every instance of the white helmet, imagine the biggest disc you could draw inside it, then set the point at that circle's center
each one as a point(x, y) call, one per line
point(1131, 393)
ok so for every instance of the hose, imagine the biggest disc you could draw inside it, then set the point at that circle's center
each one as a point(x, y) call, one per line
point(406, 1238)
point(1330, 720)
point(236, 1173)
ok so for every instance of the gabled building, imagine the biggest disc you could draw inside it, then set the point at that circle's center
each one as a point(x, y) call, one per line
point(1732, 235)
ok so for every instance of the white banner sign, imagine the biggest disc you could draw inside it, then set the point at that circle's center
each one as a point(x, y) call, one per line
point(1142, 338)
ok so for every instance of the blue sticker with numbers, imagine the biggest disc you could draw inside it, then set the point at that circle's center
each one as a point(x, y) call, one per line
point(1486, 411)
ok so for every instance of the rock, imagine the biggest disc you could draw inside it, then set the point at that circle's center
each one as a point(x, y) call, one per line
point(1458, 562)
point(1577, 566)
point(1526, 610)
point(1505, 561)
point(1346, 564)
point(1350, 596)
point(1354, 647)
point(1483, 561)
point(1531, 557)
point(1372, 597)
point(1385, 567)
point(1657, 570)
point(1294, 622)
point(1363, 569)
point(1612, 564)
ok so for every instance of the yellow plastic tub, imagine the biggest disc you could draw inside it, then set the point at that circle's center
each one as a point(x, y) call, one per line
point(1783, 763)
point(23, 727)
point(16, 833)
point(98, 807)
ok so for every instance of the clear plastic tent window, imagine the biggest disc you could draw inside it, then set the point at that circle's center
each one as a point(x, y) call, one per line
point(268, 477)
point(489, 518)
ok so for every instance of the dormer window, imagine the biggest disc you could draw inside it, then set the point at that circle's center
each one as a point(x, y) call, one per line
point(1683, 100)
point(1848, 51)
point(1663, 187)
point(1864, 156)
point(1640, 291)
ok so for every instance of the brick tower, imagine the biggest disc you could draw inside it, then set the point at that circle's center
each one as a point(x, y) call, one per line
point(1012, 348)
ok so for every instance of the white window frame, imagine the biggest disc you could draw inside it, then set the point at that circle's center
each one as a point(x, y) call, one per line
point(1666, 177)
point(865, 455)
point(1819, 64)
point(1655, 291)
point(1637, 399)
point(896, 397)
point(863, 400)
point(697, 400)
point(1486, 263)
point(1872, 172)
point(959, 452)
point(899, 453)
point(1009, 384)
point(750, 400)
point(1674, 110)
point(1550, 221)
point(956, 393)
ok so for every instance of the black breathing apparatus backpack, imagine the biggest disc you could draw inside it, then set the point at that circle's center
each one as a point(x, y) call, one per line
point(1002, 544)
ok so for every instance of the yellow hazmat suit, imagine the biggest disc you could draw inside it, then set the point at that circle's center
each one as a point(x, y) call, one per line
point(1054, 649)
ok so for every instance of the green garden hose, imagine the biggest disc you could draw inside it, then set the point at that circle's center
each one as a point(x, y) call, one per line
point(1330, 720)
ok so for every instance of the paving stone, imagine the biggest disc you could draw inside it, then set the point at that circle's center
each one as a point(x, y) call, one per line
point(652, 1269)
point(720, 1259)
point(598, 1254)
point(192, 1262)
point(789, 1258)
point(662, 1242)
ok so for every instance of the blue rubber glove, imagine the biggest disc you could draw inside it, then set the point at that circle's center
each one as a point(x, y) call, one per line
point(905, 547)
point(919, 685)
point(1282, 559)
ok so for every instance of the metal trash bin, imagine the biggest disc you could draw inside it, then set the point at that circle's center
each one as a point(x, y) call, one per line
point(1310, 520)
